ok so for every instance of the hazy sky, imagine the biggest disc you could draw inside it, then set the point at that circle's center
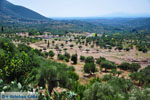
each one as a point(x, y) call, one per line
point(84, 8)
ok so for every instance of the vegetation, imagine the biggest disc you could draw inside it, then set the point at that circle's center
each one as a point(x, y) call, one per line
point(74, 58)
point(23, 68)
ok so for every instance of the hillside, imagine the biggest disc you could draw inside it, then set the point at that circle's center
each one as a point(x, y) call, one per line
point(122, 23)
point(9, 10)
point(17, 18)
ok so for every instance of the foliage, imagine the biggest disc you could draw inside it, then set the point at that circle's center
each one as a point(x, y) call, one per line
point(124, 66)
point(74, 58)
point(89, 59)
point(82, 58)
point(89, 68)
point(73, 75)
point(107, 65)
point(51, 53)
point(100, 59)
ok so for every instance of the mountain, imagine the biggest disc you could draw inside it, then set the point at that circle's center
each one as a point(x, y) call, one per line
point(9, 10)
point(16, 18)
point(125, 15)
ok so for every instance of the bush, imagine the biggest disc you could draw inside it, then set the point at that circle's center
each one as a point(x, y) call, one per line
point(74, 58)
point(71, 68)
point(51, 53)
point(82, 58)
point(100, 59)
point(67, 55)
point(124, 66)
point(89, 68)
point(107, 77)
point(127, 49)
point(73, 75)
point(66, 59)
point(61, 57)
point(134, 67)
point(95, 79)
point(108, 65)
point(89, 59)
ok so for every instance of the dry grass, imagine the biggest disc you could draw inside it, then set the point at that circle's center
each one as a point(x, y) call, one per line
point(113, 55)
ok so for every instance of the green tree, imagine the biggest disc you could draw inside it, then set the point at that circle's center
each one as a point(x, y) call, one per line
point(107, 65)
point(80, 47)
point(100, 59)
point(48, 44)
point(135, 67)
point(71, 46)
point(89, 59)
point(74, 58)
point(51, 53)
point(124, 66)
point(82, 58)
point(89, 68)
point(67, 55)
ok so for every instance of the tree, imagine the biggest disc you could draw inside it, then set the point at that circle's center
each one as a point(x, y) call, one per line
point(87, 50)
point(67, 55)
point(100, 91)
point(53, 42)
point(65, 49)
point(124, 66)
point(89, 59)
point(142, 76)
point(127, 49)
point(135, 67)
point(97, 50)
point(61, 57)
point(100, 59)
point(51, 53)
point(136, 94)
point(82, 58)
point(107, 65)
point(62, 45)
point(45, 41)
point(74, 58)
point(52, 73)
point(80, 47)
point(71, 46)
point(73, 75)
point(48, 44)
point(2, 29)
point(89, 68)
point(46, 54)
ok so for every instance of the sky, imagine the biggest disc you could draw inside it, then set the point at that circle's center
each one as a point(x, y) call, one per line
point(85, 8)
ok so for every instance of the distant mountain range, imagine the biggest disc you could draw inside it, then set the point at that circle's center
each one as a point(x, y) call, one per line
point(17, 18)
point(9, 10)
point(125, 15)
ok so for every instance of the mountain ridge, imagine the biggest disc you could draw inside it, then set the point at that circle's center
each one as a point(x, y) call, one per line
point(8, 9)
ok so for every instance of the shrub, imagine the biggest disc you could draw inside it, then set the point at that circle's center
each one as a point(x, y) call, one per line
point(89, 68)
point(66, 59)
point(51, 53)
point(82, 58)
point(134, 67)
point(100, 59)
point(74, 58)
point(124, 66)
point(89, 59)
point(61, 57)
point(67, 55)
point(108, 65)
point(107, 77)
point(71, 68)
point(73, 75)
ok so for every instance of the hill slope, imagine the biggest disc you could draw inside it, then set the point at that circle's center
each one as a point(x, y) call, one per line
point(10, 10)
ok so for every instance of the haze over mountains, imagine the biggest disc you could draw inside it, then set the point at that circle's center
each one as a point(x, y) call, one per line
point(20, 17)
